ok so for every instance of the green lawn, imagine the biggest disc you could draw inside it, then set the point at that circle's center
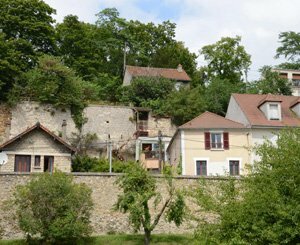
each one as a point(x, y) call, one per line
point(160, 239)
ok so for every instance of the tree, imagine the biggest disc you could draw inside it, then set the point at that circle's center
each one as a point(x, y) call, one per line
point(290, 46)
point(81, 46)
point(25, 31)
point(54, 208)
point(138, 191)
point(183, 105)
point(227, 59)
point(218, 92)
point(262, 208)
point(142, 90)
point(270, 82)
point(30, 21)
point(173, 54)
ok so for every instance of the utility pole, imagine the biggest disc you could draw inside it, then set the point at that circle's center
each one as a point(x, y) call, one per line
point(110, 154)
point(160, 150)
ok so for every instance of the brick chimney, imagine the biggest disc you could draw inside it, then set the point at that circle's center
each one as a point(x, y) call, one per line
point(179, 68)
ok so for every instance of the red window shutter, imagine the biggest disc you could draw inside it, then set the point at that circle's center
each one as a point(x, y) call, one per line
point(207, 140)
point(226, 141)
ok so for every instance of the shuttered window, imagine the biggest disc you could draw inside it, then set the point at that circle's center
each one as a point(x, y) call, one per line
point(216, 140)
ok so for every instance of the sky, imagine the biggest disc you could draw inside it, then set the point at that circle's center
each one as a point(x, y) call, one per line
point(203, 22)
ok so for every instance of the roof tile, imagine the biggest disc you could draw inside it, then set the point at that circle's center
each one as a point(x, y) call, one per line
point(137, 71)
point(212, 121)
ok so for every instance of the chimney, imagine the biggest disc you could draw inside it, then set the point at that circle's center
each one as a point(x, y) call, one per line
point(179, 68)
point(64, 130)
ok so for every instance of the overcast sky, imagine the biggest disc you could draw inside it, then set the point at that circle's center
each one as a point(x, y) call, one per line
point(202, 22)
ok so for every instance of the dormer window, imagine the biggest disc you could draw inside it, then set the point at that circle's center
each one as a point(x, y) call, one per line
point(274, 112)
point(271, 107)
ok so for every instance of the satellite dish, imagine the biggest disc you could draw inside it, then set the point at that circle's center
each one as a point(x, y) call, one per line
point(3, 158)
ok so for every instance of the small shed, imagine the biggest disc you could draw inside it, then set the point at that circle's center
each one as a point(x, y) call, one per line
point(36, 149)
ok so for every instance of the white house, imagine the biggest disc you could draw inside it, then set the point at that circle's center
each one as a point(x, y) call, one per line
point(264, 115)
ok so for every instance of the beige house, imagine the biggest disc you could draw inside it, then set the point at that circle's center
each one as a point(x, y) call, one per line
point(210, 145)
point(294, 78)
point(36, 150)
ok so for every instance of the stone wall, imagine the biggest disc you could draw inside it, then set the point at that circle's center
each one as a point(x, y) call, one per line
point(5, 118)
point(26, 114)
point(115, 121)
point(164, 124)
point(105, 192)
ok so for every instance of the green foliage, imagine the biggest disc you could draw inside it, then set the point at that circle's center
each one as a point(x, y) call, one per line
point(270, 82)
point(218, 92)
point(227, 59)
point(53, 207)
point(54, 83)
point(263, 208)
point(139, 189)
point(183, 105)
point(28, 21)
point(290, 46)
point(143, 90)
point(84, 163)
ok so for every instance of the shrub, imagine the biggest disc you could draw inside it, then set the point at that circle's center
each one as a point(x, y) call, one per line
point(54, 208)
point(93, 164)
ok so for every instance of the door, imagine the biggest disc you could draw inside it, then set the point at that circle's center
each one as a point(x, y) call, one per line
point(48, 163)
point(22, 163)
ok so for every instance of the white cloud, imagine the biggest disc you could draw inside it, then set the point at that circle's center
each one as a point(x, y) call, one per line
point(202, 22)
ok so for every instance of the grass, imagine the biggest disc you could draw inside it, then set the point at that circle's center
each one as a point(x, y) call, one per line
point(161, 239)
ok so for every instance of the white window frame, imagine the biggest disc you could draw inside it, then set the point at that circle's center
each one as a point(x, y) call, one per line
point(222, 140)
point(273, 110)
point(240, 164)
point(201, 159)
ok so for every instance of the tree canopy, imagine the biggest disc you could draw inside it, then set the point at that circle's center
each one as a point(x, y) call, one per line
point(227, 59)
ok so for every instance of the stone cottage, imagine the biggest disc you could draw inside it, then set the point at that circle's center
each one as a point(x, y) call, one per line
point(36, 149)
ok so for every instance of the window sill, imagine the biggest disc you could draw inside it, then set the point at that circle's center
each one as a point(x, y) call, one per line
point(217, 149)
point(37, 167)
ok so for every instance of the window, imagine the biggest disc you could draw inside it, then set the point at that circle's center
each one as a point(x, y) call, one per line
point(37, 161)
point(274, 112)
point(234, 167)
point(216, 140)
point(201, 168)
point(22, 163)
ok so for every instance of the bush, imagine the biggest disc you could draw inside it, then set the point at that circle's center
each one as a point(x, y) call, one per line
point(93, 164)
point(54, 208)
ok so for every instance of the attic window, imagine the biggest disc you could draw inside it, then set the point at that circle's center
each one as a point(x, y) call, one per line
point(274, 112)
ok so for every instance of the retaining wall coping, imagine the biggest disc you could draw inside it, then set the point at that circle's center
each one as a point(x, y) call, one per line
point(95, 174)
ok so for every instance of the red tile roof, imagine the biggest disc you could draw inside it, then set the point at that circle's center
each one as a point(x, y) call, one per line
point(211, 120)
point(137, 71)
point(249, 104)
point(34, 127)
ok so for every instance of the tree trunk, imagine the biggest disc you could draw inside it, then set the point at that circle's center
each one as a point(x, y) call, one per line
point(147, 237)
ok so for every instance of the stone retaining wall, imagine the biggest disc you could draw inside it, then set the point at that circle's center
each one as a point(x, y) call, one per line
point(105, 192)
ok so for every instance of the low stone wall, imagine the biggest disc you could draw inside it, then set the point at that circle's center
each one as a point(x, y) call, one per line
point(105, 192)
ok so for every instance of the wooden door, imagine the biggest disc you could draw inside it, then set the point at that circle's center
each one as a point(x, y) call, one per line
point(22, 163)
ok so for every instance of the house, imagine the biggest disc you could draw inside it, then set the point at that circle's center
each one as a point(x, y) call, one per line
point(178, 75)
point(210, 145)
point(151, 151)
point(264, 115)
point(293, 76)
point(36, 149)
